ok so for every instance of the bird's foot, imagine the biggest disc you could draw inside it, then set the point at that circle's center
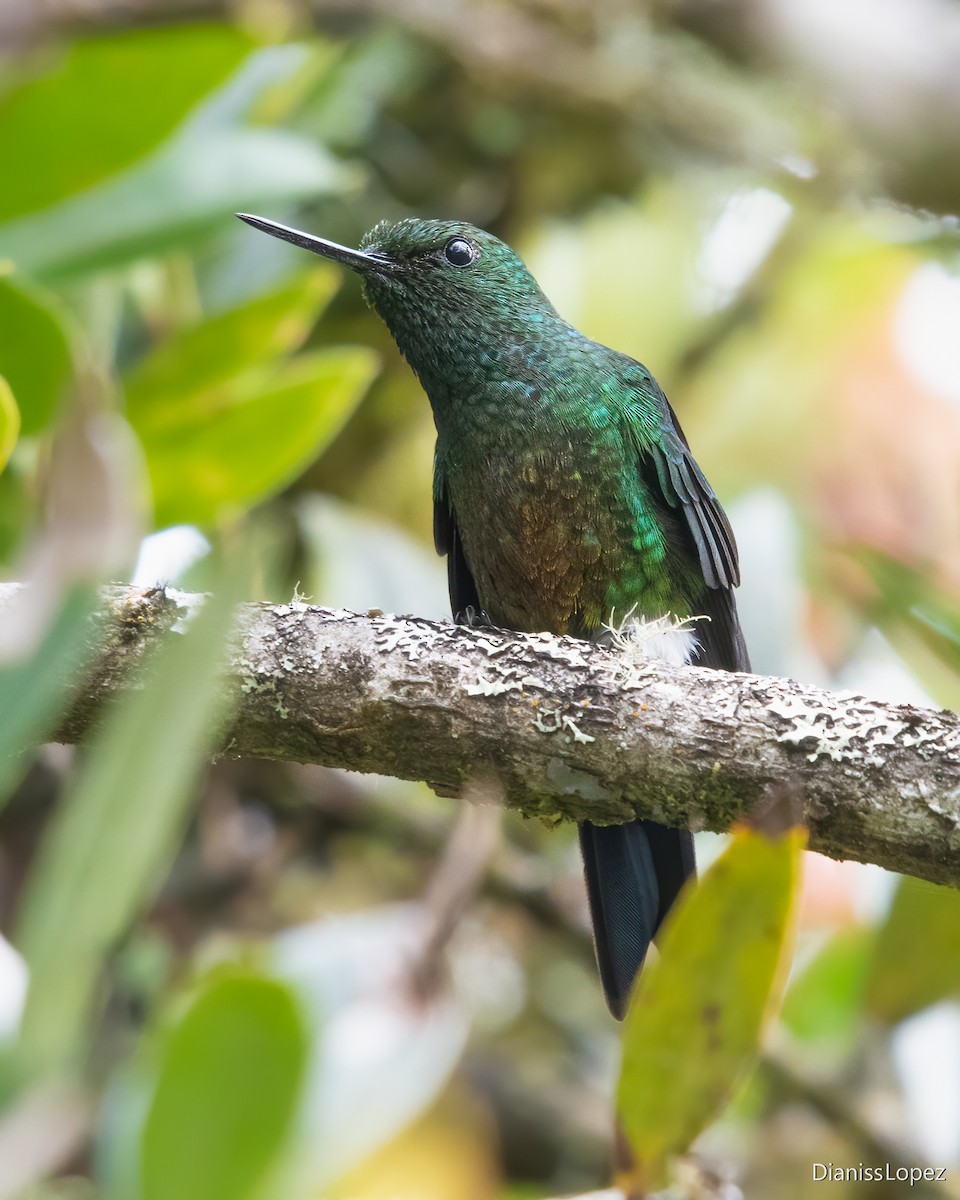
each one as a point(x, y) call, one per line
point(474, 618)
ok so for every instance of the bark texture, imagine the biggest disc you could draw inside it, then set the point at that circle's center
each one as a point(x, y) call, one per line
point(569, 729)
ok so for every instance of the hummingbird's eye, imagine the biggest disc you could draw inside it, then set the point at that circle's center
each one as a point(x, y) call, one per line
point(459, 252)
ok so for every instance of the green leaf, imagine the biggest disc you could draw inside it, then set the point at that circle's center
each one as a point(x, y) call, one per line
point(35, 354)
point(116, 830)
point(35, 691)
point(166, 387)
point(941, 629)
point(226, 1093)
point(825, 1001)
point(916, 956)
point(188, 188)
point(9, 422)
point(919, 615)
point(17, 510)
point(271, 426)
point(108, 101)
point(696, 1018)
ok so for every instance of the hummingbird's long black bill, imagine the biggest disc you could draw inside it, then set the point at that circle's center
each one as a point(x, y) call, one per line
point(357, 260)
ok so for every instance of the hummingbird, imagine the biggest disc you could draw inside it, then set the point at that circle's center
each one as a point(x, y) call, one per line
point(564, 493)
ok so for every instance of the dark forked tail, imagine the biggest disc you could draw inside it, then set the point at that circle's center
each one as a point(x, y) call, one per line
point(635, 871)
point(633, 875)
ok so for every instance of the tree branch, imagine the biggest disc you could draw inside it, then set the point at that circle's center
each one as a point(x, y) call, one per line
point(570, 729)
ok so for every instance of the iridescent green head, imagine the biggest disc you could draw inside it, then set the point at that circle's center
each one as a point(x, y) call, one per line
point(439, 286)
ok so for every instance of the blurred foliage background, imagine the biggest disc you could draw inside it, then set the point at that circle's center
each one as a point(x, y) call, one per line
point(759, 201)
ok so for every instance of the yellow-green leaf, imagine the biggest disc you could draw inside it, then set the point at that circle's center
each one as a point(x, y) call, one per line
point(696, 1018)
point(177, 381)
point(103, 103)
point(35, 352)
point(112, 838)
point(916, 957)
point(35, 690)
point(271, 426)
point(187, 189)
point(9, 422)
point(226, 1094)
point(17, 509)
point(824, 1002)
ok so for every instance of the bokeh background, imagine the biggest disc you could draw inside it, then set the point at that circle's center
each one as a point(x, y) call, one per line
point(238, 985)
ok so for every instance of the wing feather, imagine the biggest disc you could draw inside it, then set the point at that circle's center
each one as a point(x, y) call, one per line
point(662, 444)
point(446, 538)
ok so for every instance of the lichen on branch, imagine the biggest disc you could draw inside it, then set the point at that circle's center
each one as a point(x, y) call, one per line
point(569, 729)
